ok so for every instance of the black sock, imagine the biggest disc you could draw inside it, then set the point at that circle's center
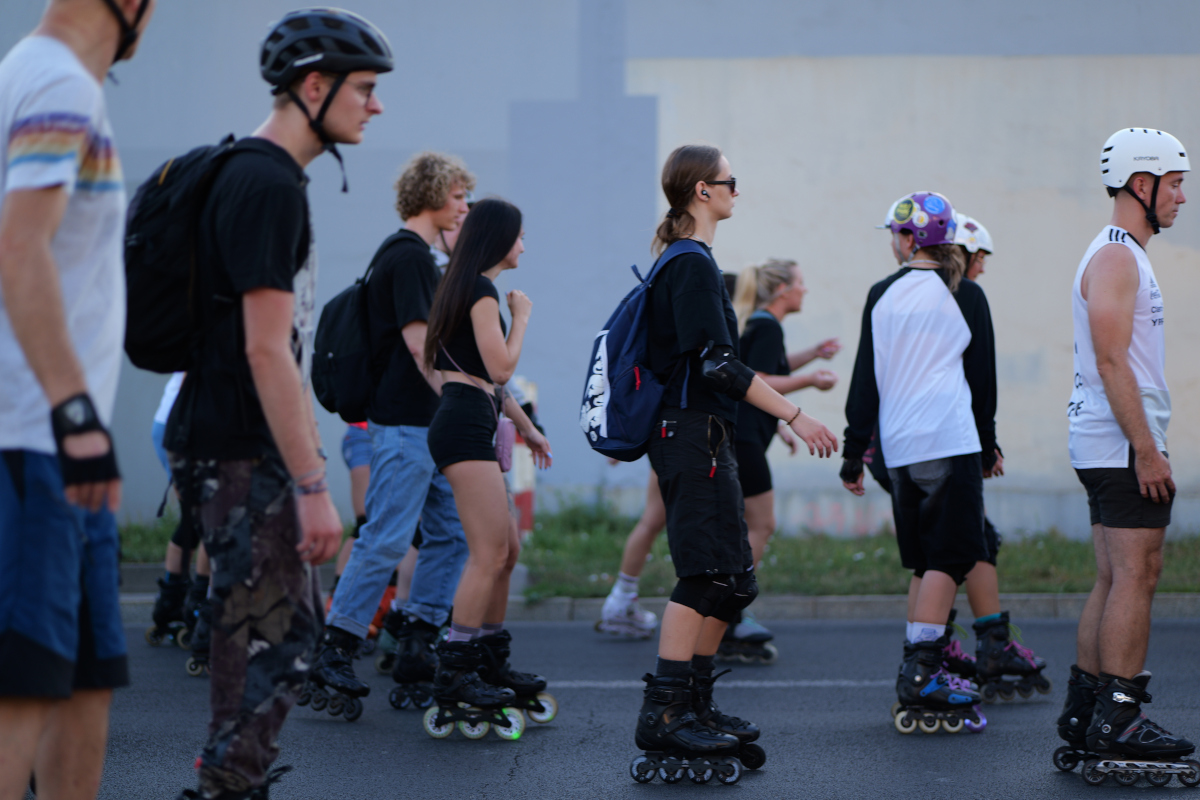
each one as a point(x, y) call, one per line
point(673, 669)
point(703, 665)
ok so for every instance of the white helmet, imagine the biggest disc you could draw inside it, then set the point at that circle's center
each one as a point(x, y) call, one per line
point(971, 235)
point(1133, 150)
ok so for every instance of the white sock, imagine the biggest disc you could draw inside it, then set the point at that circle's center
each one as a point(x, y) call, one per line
point(626, 584)
point(925, 631)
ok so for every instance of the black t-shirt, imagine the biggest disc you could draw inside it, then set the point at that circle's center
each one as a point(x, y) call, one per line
point(399, 291)
point(253, 234)
point(762, 350)
point(461, 344)
point(689, 308)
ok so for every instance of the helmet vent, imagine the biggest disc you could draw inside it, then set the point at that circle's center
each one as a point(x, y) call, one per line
point(1107, 149)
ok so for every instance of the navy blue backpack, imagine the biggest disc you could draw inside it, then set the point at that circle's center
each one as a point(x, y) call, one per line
point(622, 396)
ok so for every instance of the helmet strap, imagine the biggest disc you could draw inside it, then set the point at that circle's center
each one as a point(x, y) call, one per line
point(318, 124)
point(129, 34)
point(1151, 215)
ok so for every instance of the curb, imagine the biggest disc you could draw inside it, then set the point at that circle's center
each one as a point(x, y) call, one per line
point(136, 607)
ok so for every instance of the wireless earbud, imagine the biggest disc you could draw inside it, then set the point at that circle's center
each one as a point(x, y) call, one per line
point(704, 193)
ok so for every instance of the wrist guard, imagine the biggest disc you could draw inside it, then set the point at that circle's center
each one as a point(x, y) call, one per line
point(852, 470)
point(74, 416)
point(725, 373)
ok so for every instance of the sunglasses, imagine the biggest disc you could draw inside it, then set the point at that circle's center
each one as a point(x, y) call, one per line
point(731, 183)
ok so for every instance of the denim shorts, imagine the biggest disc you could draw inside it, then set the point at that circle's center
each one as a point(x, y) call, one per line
point(60, 613)
point(356, 447)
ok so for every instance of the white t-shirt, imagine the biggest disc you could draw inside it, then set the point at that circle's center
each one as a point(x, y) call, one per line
point(56, 130)
point(1095, 438)
point(170, 392)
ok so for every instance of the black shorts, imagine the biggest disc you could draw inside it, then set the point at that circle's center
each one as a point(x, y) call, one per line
point(706, 524)
point(754, 472)
point(938, 507)
point(464, 427)
point(1115, 498)
point(992, 537)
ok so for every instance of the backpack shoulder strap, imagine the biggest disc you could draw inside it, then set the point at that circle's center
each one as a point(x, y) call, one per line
point(676, 248)
point(761, 313)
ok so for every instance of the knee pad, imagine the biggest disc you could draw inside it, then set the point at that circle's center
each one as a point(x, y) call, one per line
point(744, 592)
point(703, 593)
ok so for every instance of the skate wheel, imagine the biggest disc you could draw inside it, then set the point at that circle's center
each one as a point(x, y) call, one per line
point(770, 654)
point(904, 722)
point(184, 639)
point(549, 709)
point(336, 704)
point(305, 696)
point(421, 697)
point(319, 700)
point(1026, 692)
point(752, 756)
point(1092, 775)
point(988, 693)
point(429, 721)
point(1007, 693)
point(1126, 778)
point(702, 776)
point(730, 773)
point(1066, 759)
point(515, 727)
point(896, 708)
point(953, 725)
point(194, 668)
point(929, 724)
point(599, 628)
point(641, 769)
point(671, 775)
point(399, 698)
point(384, 663)
point(353, 709)
point(1191, 778)
point(1043, 686)
point(154, 636)
point(1158, 778)
point(473, 731)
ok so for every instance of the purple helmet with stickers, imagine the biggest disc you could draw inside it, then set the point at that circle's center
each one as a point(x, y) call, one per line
point(928, 216)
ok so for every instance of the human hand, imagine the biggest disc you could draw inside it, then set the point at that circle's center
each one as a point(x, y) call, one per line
point(519, 304)
point(820, 440)
point(852, 476)
point(828, 348)
point(540, 447)
point(785, 435)
point(997, 469)
point(95, 495)
point(320, 528)
point(1154, 476)
point(823, 379)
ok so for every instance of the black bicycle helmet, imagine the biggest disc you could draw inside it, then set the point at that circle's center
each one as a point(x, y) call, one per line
point(326, 39)
point(129, 33)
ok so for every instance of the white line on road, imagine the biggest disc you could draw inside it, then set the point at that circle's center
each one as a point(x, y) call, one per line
point(801, 684)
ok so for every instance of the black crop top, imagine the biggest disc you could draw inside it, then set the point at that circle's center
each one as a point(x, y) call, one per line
point(461, 343)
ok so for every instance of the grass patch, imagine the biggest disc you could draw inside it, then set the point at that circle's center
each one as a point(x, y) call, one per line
point(146, 542)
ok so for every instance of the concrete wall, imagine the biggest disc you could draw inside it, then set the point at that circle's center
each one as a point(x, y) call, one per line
point(828, 111)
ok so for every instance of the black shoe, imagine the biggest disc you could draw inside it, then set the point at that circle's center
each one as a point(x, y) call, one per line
point(1119, 727)
point(667, 721)
point(497, 671)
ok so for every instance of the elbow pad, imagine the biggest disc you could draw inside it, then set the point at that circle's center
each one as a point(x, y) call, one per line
point(725, 373)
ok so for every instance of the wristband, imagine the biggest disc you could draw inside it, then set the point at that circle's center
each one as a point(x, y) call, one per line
point(74, 416)
point(316, 487)
point(794, 417)
point(312, 473)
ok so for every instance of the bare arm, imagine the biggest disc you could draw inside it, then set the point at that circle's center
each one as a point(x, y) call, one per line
point(33, 300)
point(500, 355)
point(414, 340)
point(826, 349)
point(822, 379)
point(268, 317)
point(1110, 285)
point(820, 440)
point(532, 436)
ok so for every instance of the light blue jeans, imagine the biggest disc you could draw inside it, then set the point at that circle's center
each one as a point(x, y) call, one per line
point(405, 488)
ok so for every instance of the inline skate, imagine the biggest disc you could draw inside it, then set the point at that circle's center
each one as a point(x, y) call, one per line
point(464, 700)
point(532, 697)
point(751, 755)
point(622, 615)
point(1003, 667)
point(331, 680)
point(956, 660)
point(675, 743)
point(168, 616)
point(1128, 745)
point(414, 663)
point(1074, 720)
point(200, 641)
point(928, 698)
point(388, 642)
point(197, 595)
point(747, 641)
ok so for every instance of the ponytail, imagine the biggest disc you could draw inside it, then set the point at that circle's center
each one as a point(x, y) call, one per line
point(745, 295)
point(950, 257)
point(758, 285)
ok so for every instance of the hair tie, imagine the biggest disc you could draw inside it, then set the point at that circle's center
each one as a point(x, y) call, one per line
point(676, 212)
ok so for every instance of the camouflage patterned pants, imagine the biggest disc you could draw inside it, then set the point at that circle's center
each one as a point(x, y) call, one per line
point(267, 614)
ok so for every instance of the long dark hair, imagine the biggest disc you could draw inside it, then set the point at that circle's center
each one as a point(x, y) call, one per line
point(684, 168)
point(488, 234)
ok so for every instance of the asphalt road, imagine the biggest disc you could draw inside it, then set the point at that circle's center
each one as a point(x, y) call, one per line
point(823, 708)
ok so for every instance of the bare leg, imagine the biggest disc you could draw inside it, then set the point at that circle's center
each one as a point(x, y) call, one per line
point(681, 631)
point(1135, 555)
point(1087, 641)
point(914, 588)
point(760, 520)
point(983, 590)
point(176, 560)
point(203, 566)
point(22, 721)
point(499, 604)
point(360, 477)
point(70, 754)
point(482, 503)
point(935, 598)
point(710, 636)
point(641, 538)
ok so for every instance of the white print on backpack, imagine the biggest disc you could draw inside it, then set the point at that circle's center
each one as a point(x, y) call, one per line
point(304, 316)
point(592, 416)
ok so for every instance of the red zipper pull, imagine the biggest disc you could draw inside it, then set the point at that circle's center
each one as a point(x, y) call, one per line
point(637, 376)
point(664, 429)
point(713, 471)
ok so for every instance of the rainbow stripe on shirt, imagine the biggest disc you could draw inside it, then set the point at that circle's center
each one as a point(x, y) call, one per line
point(57, 137)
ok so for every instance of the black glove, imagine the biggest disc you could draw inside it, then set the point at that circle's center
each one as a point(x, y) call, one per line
point(852, 470)
point(73, 416)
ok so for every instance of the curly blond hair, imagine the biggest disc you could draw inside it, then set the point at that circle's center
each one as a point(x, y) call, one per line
point(426, 181)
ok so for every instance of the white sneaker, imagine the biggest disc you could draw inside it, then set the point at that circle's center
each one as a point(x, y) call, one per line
point(623, 616)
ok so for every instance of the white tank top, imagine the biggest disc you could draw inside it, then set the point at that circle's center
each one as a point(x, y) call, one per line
point(1095, 438)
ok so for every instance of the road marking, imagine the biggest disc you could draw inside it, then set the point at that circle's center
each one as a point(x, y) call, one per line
point(801, 684)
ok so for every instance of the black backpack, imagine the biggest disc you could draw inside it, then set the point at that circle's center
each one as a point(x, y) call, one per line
point(160, 258)
point(341, 369)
